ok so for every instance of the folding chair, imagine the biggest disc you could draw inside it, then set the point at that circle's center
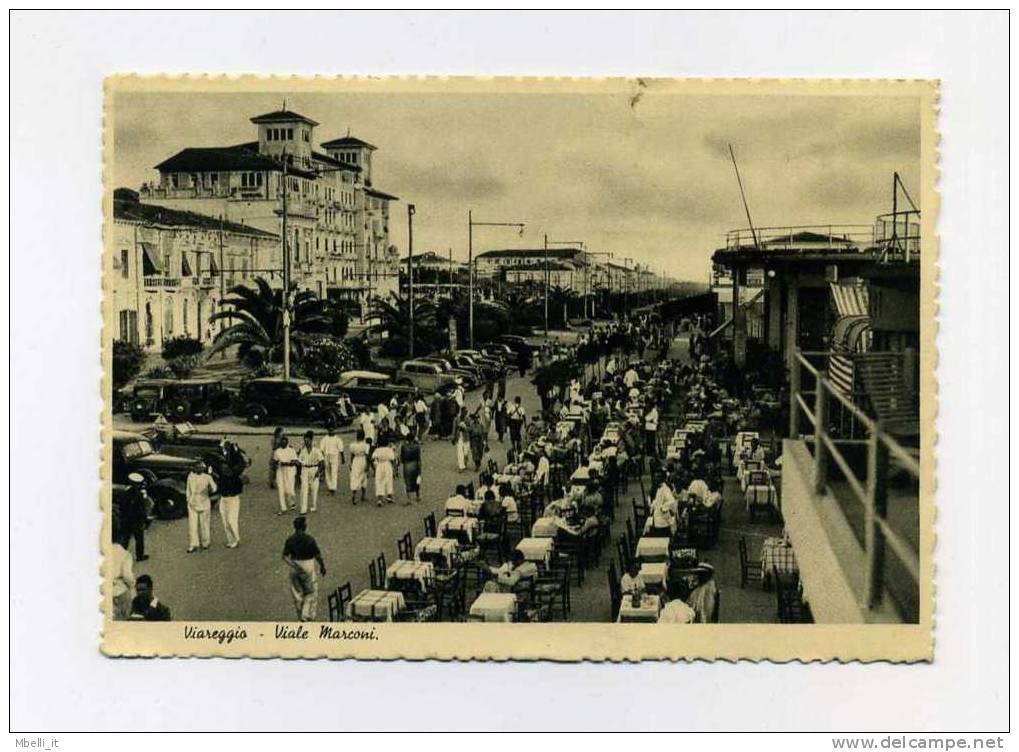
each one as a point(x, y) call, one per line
point(338, 600)
point(405, 547)
point(431, 530)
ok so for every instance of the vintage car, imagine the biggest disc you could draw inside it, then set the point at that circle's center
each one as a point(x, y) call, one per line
point(516, 343)
point(198, 400)
point(492, 367)
point(279, 400)
point(501, 351)
point(470, 378)
point(165, 474)
point(368, 388)
point(426, 376)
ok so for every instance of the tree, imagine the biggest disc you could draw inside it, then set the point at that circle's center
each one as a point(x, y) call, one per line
point(325, 358)
point(128, 359)
point(256, 323)
point(391, 317)
point(559, 301)
point(182, 354)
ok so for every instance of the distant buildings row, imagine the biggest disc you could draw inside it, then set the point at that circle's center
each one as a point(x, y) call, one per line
point(215, 219)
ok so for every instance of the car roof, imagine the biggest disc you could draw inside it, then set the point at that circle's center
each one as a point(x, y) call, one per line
point(363, 375)
point(277, 380)
point(178, 382)
point(128, 436)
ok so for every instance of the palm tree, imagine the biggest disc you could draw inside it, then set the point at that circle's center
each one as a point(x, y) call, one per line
point(391, 317)
point(559, 299)
point(255, 315)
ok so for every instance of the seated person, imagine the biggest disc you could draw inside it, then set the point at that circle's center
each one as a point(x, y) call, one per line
point(592, 502)
point(509, 504)
point(702, 595)
point(457, 504)
point(490, 507)
point(753, 452)
point(698, 489)
point(487, 483)
point(677, 612)
point(631, 582)
point(541, 473)
point(511, 574)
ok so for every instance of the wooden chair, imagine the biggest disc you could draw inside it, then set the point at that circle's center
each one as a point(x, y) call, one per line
point(451, 595)
point(790, 606)
point(749, 569)
point(431, 528)
point(641, 511)
point(404, 547)
point(615, 591)
point(624, 553)
point(338, 600)
point(492, 538)
point(572, 547)
point(631, 539)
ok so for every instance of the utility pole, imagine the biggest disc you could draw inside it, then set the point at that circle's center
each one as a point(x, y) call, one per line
point(546, 285)
point(471, 224)
point(222, 269)
point(286, 279)
point(410, 275)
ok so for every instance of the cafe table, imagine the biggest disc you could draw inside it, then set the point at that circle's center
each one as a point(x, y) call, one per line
point(430, 547)
point(405, 569)
point(545, 527)
point(493, 607)
point(375, 605)
point(644, 613)
point(654, 574)
point(777, 553)
point(652, 549)
point(538, 550)
point(462, 529)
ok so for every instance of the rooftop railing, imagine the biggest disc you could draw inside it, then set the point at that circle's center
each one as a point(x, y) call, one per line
point(894, 237)
point(868, 488)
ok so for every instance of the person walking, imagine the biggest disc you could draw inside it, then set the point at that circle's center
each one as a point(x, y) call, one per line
point(332, 449)
point(134, 514)
point(231, 483)
point(422, 417)
point(410, 460)
point(461, 440)
point(277, 435)
point(476, 437)
point(301, 553)
point(515, 417)
point(383, 457)
point(500, 418)
point(359, 467)
point(311, 464)
point(285, 459)
point(199, 490)
point(651, 432)
point(122, 570)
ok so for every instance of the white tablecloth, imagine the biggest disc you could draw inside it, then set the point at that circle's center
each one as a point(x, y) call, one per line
point(494, 607)
point(451, 527)
point(376, 604)
point(654, 573)
point(544, 527)
point(653, 549)
point(537, 550)
point(646, 612)
point(404, 569)
point(775, 552)
point(444, 546)
point(761, 496)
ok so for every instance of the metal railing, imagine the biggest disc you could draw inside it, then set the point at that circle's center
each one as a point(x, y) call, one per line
point(152, 282)
point(871, 491)
point(832, 237)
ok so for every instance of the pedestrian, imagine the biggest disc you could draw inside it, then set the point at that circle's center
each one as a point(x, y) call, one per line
point(231, 483)
point(500, 392)
point(301, 553)
point(368, 426)
point(422, 417)
point(134, 514)
point(476, 438)
point(461, 440)
point(146, 606)
point(332, 449)
point(522, 361)
point(410, 459)
point(500, 418)
point(199, 490)
point(310, 465)
point(285, 459)
point(515, 417)
point(651, 432)
point(277, 434)
point(359, 467)
point(383, 457)
point(122, 575)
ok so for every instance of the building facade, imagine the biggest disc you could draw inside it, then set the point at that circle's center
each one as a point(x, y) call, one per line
point(337, 223)
point(172, 268)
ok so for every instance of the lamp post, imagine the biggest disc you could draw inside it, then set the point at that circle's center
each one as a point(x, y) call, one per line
point(286, 279)
point(471, 224)
point(410, 275)
point(593, 301)
point(548, 275)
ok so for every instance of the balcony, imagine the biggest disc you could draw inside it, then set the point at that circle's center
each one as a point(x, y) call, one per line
point(156, 283)
point(850, 499)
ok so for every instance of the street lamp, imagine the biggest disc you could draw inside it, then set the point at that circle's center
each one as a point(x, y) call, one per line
point(548, 280)
point(410, 275)
point(590, 253)
point(471, 224)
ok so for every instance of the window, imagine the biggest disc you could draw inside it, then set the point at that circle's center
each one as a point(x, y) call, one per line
point(123, 263)
point(290, 134)
point(306, 135)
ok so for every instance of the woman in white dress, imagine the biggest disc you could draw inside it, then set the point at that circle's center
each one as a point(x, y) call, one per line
point(285, 459)
point(359, 467)
point(384, 457)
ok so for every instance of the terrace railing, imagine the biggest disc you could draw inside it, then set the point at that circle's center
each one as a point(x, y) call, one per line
point(869, 488)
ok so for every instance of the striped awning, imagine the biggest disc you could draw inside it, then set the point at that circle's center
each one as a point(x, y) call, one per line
point(150, 259)
point(852, 334)
point(841, 373)
point(850, 300)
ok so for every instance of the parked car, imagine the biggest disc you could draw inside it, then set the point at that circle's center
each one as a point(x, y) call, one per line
point(493, 367)
point(469, 377)
point(277, 400)
point(501, 351)
point(369, 388)
point(198, 400)
point(516, 343)
point(427, 376)
point(165, 474)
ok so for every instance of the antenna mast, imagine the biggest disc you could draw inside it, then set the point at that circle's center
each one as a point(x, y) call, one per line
point(743, 196)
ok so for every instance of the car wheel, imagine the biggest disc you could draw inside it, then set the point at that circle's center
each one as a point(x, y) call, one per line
point(167, 504)
point(256, 415)
point(331, 420)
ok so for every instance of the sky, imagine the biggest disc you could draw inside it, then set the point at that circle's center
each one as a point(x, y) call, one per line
point(649, 180)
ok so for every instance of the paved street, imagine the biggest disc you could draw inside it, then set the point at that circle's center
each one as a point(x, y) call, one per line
point(250, 582)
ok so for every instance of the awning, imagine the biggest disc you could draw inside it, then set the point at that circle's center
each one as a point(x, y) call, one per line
point(842, 373)
point(850, 300)
point(852, 334)
point(150, 260)
point(185, 267)
point(213, 266)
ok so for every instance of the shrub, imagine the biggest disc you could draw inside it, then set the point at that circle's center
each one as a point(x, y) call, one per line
point(127, 362)
point(159, 372)
point(360, 351)
point(182, 366)
point(325, 359)
point(182, 346)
